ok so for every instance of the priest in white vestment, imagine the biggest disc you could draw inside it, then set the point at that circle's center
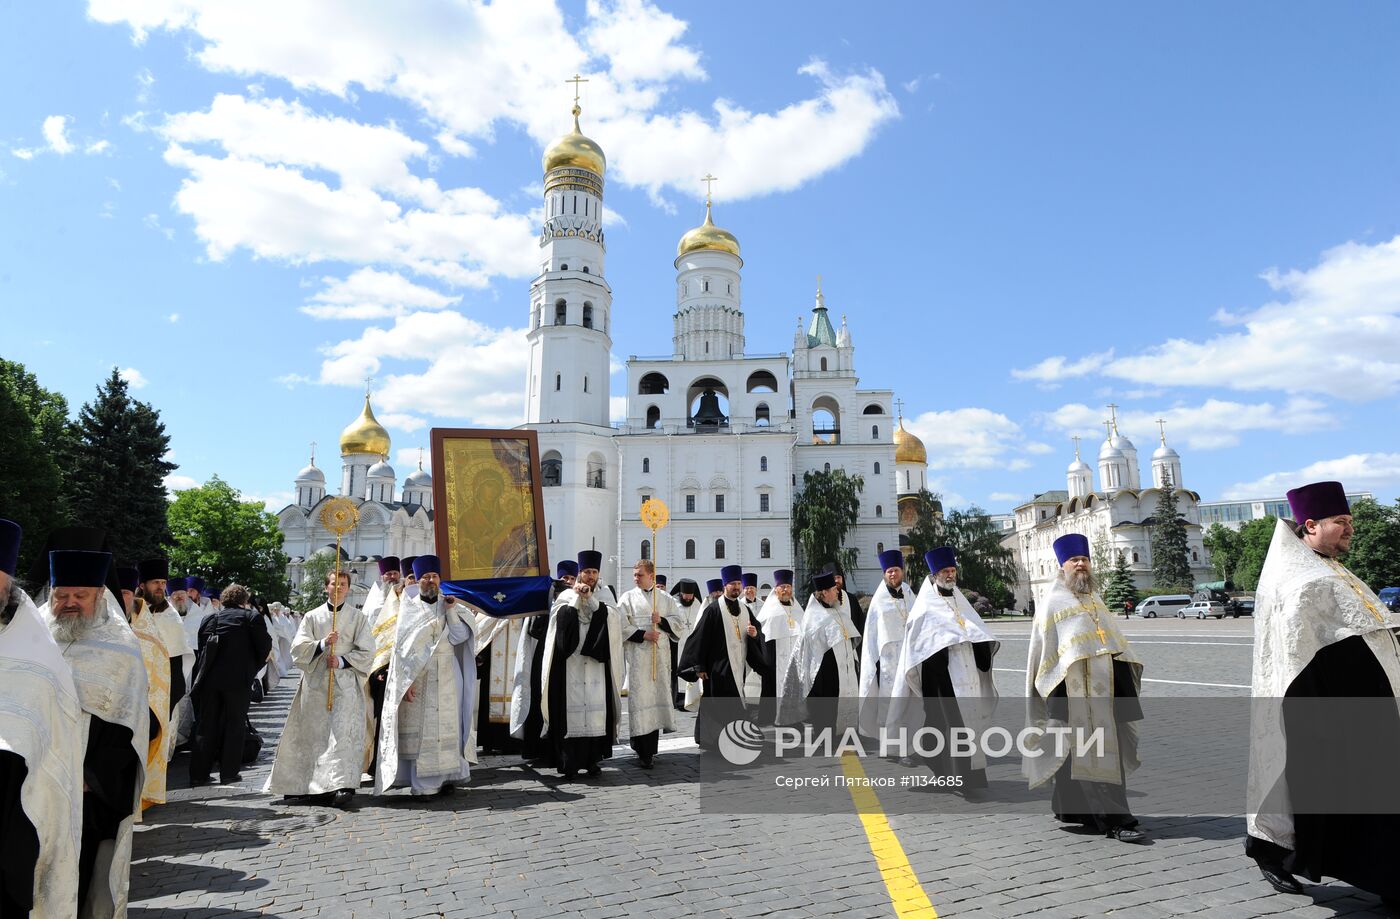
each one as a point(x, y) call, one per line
point(429, 692)
point(381, 611)
point(110, 678)
point(526, 721)
point(157, 661)
point(823, 664)
point(943, 679)
point(1323, 745)
point(881, 643)
point(581, 693)
point(41, 756)
point(1082, 674)
point(780, 618)
point(322, 753)
point(165, 601)
point(647, 634)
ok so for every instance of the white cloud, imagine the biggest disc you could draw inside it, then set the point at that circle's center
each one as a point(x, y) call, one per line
point(435, 56)
point(1006, 497)
point(152, 222)
point(174, 483)
point(969, 438)
point(1213, 424)
point(1357, 471)
point(406, 458)
point(1331, 331)
point(403, 422)
point(1054, 370)
point(145, 80)
point(617, 409)
point(134, 378)
point(56, 134)
point(99, 146)
point(173, 317)
point(372, 294)
point(272, 501)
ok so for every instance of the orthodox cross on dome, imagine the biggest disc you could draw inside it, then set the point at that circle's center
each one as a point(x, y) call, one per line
point(1162, 427)
point(1113, 416)
point(899, 408)
point(313, 453)
point(420, 457)
point(819, 285)
point(369, 386)
point(576, 81)
point(709, 181)
point(1075, 438)
point(1108, 429)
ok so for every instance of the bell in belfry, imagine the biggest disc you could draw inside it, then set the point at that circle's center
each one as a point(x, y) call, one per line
point(709, 414)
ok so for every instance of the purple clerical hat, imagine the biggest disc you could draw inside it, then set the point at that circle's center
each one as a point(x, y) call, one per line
point(824, 581)
point(891, 558)
point(1318, 501)
point(590, 558)
point(77, 568)
point(1071, 545)
point(940, 558)
point(568, 568)
point(750, 579)
point(426, 564)
point(390, 563)
point(714, 585)
point(731, 573)
point(782, 576)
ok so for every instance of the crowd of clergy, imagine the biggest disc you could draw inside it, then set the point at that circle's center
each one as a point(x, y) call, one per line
point(115, 667)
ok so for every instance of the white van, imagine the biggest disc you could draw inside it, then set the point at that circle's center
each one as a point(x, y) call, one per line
point(1163, 605)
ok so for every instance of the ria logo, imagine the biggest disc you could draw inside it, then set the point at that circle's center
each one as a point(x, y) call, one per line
point(741, 742)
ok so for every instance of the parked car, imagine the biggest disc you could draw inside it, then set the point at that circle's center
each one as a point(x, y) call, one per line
point(1243, 606)
point(1390, 596)
point(1202, 609)
point(1162, 605)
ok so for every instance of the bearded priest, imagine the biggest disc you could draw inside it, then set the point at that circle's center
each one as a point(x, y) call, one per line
point(1081, 673)
point(881, 642)
point(823, 664)
point(726, 655)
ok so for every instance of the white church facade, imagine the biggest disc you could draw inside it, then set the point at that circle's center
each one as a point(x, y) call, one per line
point(1117, 518)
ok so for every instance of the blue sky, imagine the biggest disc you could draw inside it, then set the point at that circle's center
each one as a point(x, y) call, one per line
point(1026, 211)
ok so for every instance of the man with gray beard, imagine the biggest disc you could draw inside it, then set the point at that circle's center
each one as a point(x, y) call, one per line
point(110, 677)
point(1081, 674)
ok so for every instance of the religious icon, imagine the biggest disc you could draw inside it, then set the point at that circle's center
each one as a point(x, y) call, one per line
point(489, 515)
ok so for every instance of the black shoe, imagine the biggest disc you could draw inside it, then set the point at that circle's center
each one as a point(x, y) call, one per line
point(231, 780)
point(644, 762)
point(1280, 880)
point(974, 795)
point(595, 770)
point(446, 790)
point(1127, 834)
point(341, 798)
point(199, 783)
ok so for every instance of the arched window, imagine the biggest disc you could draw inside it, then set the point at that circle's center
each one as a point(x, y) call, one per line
point(690, 548)
point(597, 476)
point(823, 363)
point(879, 548)
point(551, 469)
point(879, 511)
point(564, 267)
point(877, 468)
point(874, 432)
point(1194, 557)
point(760, 415)
point(763, 464)
point(826, 467)
point(653, 418)
point(585, 269)
point(762, 381)
point(653, 384)
point(561, 312)
point(646, 464)
point(588, 315)
point(765, 549)
point(646, 549)
point(906, 480)
point(873, 408)
point(1135, 557)
point(719, 548)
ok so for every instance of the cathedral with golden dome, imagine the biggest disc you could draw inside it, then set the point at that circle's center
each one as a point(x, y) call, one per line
point(394, 519)
point(721, 435)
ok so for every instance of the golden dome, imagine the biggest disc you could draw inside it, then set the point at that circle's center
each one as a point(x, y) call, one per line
point(365, 434)
point(908, 448)
point(573, 149)
point(710, 237)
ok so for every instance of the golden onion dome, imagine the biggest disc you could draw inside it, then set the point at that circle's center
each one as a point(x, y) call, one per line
point(573, 149)
point(908, 448)
point(707, 236)
point(365, 434)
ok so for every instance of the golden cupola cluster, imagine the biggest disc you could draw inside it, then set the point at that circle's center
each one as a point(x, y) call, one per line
point(908, 448)
point(365, 434)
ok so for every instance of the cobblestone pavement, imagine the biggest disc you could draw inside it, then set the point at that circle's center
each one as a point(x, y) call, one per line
point(523, 843)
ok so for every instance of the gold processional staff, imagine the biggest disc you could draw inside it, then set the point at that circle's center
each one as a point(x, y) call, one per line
point(655, 515)
point(338, 516)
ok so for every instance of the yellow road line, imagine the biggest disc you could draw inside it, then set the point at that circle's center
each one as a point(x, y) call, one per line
point(906, 893)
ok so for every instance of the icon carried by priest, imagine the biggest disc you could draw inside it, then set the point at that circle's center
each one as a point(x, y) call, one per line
point(1076, 648)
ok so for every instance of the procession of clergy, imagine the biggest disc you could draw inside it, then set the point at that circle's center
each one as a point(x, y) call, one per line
point(389, 694)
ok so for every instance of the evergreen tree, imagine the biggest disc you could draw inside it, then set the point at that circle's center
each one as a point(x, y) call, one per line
point(29, 477)
point(925, 534)
point(985, 564)
point(214, 533)
point(1119, 587)
point(1171, 565)
point(116, 480)
point(1374, 556)
point(823, 512)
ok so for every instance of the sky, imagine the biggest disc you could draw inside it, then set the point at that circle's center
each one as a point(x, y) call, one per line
point(1025, 211)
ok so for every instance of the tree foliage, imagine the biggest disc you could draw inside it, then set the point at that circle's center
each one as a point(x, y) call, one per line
point(823, 512)
point(1254, 539)
point(29, 477)
point(1374, 556)
point(1119, 587)
point(1171, 565)
point(116, 480)
point(985, 565)
point(1224, 546)
point(925, 534)
point(311, 591)
point(217, 535)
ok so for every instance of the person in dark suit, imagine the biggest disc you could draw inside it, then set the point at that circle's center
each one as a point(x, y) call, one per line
point(233, 646)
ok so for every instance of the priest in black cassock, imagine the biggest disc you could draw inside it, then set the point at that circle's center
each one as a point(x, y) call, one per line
point(726, 654)
point(581, 695)
point(1320, 633)
point(526, 722)
point(688, 609)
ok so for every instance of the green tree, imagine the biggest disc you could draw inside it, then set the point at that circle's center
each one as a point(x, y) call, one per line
point(985, 565)
point(823, 512)
point(38, 441)
point(925, 535)
point(1255, 537)
point(1099, 557)
point(311, 591)
point(1223, 544)
point(1374, 556)
point(1171, 565)
point(116, 480)
point(217, 535)
point(1119, 587)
